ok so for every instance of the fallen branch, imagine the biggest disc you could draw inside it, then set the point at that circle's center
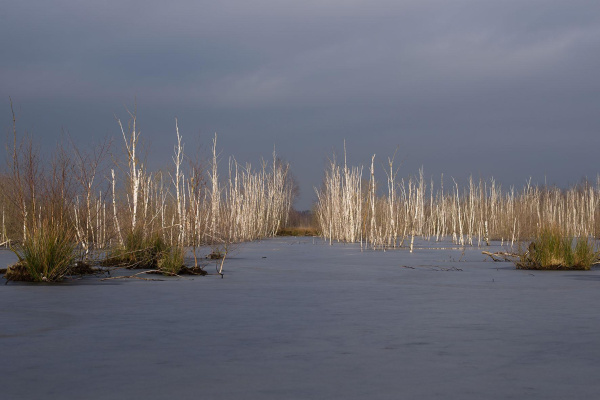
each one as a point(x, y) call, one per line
point(161, 272)
point(135, 276)
point(433, 268)
point(501, 256)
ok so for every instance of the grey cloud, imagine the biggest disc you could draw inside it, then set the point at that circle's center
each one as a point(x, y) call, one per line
point(426, 75)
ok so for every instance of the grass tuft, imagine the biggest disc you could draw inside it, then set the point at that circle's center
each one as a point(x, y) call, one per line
point(553, 251)
point(46, 255)
point(138, 251)
point(171, 261)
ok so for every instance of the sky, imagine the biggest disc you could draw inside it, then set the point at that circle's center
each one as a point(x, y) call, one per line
point(508, 89)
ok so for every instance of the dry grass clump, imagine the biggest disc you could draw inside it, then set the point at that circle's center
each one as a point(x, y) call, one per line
point(554, 251)
point(46, 255)
point(138, 251)
point(171, 261)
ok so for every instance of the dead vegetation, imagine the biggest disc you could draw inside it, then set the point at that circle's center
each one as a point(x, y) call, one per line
point(111, 204)
point(390, 214)
point(18, 272)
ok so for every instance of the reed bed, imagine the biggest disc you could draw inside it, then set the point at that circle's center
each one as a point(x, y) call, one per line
point(355, 208)
point(122, 210)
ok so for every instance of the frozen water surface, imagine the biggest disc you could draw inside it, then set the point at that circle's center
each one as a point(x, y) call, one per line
point(299, 319)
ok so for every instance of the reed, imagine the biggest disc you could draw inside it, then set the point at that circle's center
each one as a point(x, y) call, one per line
point(130, 213)
point(471, 214)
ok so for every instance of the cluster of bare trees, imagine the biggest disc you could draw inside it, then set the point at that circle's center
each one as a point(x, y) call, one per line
point(101, 201)
point(353, 209)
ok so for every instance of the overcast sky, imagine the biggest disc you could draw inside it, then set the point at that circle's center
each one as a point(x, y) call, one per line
point(508, 89)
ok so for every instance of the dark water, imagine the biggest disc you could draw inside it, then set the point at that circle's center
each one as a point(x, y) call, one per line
point(309, 321)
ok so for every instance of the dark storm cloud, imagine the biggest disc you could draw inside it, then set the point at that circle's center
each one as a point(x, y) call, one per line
point(450, 82)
